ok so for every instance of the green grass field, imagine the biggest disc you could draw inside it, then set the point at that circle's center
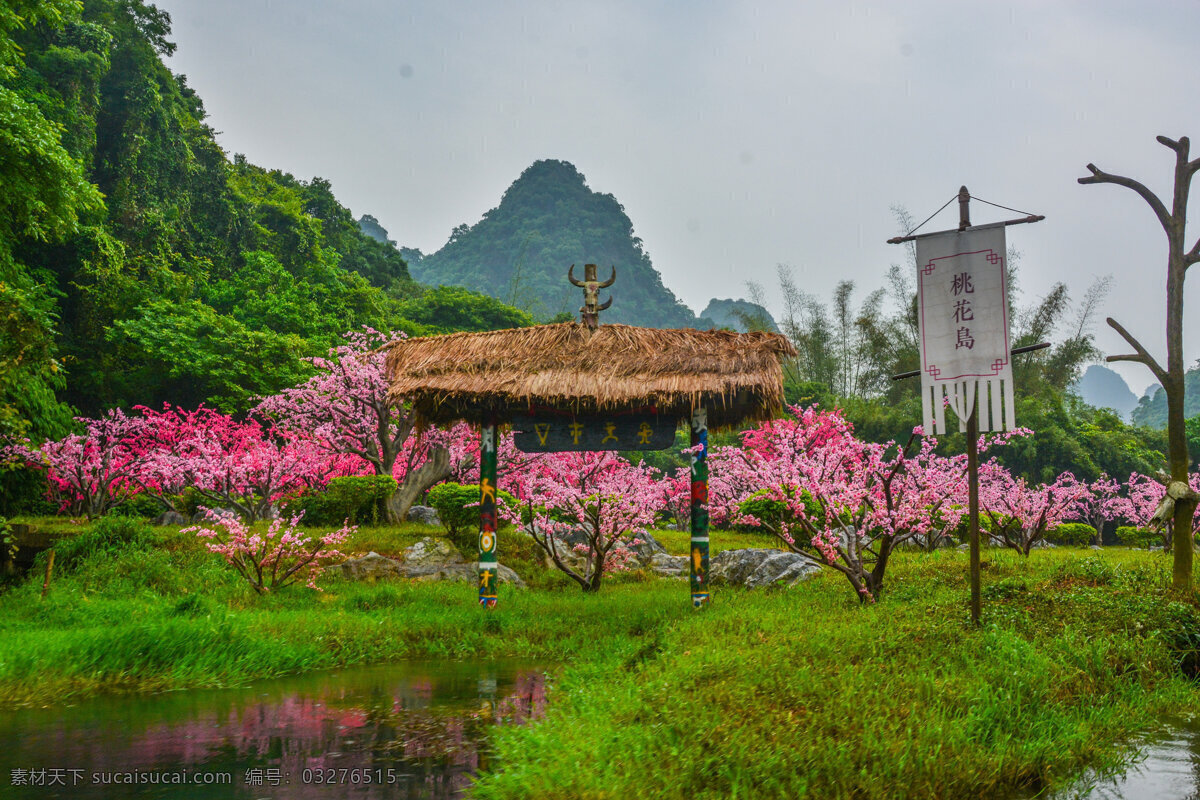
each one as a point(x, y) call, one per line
point(800, 692)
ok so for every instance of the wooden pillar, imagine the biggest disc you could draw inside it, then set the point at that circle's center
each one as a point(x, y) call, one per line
point(699, 548)
point(964, 222)
point(487, 514)
point(973, 506)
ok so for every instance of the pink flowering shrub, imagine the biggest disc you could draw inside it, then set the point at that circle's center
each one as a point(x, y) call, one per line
point(271, 560)
point(599, 499)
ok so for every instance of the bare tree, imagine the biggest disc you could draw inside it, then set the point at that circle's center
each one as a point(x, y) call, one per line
point(1180, 500)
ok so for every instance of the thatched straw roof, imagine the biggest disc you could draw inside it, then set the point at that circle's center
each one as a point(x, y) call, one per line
point(736, 376)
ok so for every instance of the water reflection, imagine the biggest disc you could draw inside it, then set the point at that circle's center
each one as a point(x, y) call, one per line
point(1170, 770)
point(412, 730)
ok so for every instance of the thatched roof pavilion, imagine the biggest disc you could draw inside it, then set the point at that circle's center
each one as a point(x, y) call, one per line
point(571, 367)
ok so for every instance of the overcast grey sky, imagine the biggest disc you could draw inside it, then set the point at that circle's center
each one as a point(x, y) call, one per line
point(738, 135)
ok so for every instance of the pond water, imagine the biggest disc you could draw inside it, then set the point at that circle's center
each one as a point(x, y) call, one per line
point(1168, 768)
point(409, 730)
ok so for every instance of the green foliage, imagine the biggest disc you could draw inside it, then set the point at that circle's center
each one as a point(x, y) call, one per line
point(23, 491)
point(1193, 439)
point(1071, 436)
point(137, 263)
point(547, 220)
point(1072, 534)
point(8, 541)
point(457, 505)
point(140, 506)
point(45, 197)
point(361, 499)
point(453, 502)
point(453, 308)
point(1093, 570)
point(1022, 711)
point(1139, 537)
point(773, 513)
point(106, 538)
point(1075, 656)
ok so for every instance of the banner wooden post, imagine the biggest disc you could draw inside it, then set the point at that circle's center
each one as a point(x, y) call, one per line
point(964, 222)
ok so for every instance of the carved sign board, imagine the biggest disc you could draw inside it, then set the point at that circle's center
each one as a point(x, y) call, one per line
point(553, 433)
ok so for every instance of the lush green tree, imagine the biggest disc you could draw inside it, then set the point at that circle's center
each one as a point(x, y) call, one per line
point(44, 198)
point(453, 308)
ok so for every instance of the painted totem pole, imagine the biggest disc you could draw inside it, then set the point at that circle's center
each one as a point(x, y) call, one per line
point(487, 515)
point(699, 544)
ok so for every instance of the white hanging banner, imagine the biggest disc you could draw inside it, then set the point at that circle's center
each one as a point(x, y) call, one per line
point(963, 312)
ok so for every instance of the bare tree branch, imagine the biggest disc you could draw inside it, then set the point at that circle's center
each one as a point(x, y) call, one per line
point(1142, 356)
point(1178, 146)
point(1192, 256)
point(1099, 176)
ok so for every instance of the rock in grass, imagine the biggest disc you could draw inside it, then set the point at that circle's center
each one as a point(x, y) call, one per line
point(430, 551)
point(170, 518)
point(753, 567)
point(428, 560)
point(646, 548)
point(370, 567)
point(423, 515)
point(668, 566)
point(461, 572)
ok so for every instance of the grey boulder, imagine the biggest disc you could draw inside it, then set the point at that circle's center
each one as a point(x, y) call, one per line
point(753, 567)
point(370, 567)
point(423, 515)
point(427, 560)
point(170, 518)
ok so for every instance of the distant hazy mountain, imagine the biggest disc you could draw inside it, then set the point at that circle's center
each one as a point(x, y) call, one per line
point(547, 220)
point(1151, 410)
point(736, 313)
point(1103, 388)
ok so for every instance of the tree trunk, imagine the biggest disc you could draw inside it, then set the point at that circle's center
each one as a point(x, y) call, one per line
point(436, 468)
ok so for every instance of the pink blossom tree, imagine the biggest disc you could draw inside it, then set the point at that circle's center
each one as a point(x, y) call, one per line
point(92, 472)
point(1020, 514)
point(585, 510)
point(273, 559)
point(231, 463)
point(344, 410)
point(852, 501)
point(1095, 506)
point(1140, 502)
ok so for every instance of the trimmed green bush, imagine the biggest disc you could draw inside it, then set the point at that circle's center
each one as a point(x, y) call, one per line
point(458, 509)
point(1072, 534)
point(362, 499)
point(1138, 537)
point(773, 512)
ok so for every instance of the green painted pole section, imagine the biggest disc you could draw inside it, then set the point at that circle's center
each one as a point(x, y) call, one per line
point(487, 515)
point(699, 548)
